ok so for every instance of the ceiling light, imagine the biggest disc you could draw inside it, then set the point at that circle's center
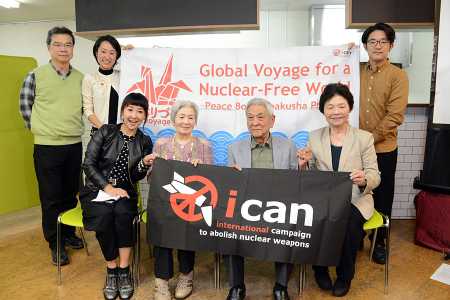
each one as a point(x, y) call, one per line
point(9, 3)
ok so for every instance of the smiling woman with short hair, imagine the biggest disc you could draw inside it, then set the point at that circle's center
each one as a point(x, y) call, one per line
point(117, 156)
point(340, 147)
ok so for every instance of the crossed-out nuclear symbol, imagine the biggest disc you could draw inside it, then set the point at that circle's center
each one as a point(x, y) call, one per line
point(184, 199)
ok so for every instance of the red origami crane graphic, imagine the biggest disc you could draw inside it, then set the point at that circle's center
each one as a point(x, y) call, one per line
point(167, 90)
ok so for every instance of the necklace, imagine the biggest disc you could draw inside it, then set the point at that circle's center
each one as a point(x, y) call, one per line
point(178, 154)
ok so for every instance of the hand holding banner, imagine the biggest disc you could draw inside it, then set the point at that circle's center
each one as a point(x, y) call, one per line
point(276, 215)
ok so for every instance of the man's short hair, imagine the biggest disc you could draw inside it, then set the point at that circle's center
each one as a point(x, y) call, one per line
point(263, 102)
point(387, 29)
point(59, 30)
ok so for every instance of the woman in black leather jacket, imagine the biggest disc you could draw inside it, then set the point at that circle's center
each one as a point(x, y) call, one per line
point(116, 158)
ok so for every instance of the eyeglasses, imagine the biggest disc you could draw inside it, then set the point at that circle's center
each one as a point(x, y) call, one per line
point(374, 43)
point(61, 45)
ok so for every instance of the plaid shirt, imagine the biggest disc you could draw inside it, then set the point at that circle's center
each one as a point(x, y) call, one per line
point(27, 94)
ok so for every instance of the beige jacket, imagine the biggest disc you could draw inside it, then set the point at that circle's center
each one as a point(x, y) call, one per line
point(358, 152)
point(96, 89)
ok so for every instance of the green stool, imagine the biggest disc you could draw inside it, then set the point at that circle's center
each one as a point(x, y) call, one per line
point(378, 221)
point(72, 217)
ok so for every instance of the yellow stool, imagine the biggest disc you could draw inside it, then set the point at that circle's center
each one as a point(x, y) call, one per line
point(378, 221)
point(72, 217)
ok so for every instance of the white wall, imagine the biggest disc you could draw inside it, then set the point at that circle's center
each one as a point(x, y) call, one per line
point(28, 39)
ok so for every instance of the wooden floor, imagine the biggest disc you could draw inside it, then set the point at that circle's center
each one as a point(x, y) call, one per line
point(26, 271)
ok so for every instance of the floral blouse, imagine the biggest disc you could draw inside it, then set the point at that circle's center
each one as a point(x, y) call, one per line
point(198, 148)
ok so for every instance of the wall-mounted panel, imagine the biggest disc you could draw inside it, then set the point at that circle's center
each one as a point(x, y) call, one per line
point(399, 13)
point(94, 18)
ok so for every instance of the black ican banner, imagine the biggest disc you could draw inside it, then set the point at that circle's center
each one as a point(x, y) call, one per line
point(276, 215)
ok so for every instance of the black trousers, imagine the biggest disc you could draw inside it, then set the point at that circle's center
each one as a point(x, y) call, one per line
point(58, 175)
point(112, 223)
point(164, 262)
point(383, 195)
point(235, 265)
point(345, 270)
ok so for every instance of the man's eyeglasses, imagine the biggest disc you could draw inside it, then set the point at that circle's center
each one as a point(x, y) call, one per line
point(374, 43)
point(61, 45)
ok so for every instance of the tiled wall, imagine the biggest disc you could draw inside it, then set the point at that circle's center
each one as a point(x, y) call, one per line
point(412, 135)
point(411, 146)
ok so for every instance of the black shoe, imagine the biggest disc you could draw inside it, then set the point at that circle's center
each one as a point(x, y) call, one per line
point(64, 259)
point(323, 280)
point(236, 293)
point(379, 254)
point(280, 293)
point(126, 289)
point(73, 242)
point(111, 289)
point(341, 287)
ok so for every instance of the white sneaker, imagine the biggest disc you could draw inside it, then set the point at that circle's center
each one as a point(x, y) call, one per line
point(162, 290)
point(185, 285)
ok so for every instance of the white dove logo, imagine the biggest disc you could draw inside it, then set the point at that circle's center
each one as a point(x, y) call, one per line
point(184, 199)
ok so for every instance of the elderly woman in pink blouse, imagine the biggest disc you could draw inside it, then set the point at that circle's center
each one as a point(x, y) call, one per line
point(183, 146)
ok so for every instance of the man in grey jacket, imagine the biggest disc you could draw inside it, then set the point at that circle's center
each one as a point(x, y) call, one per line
point(260, 150)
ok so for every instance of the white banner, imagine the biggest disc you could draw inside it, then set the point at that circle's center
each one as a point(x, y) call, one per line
point(221, 81)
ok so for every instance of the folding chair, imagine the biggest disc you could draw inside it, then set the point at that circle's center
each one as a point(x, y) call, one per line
point(71, 217)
